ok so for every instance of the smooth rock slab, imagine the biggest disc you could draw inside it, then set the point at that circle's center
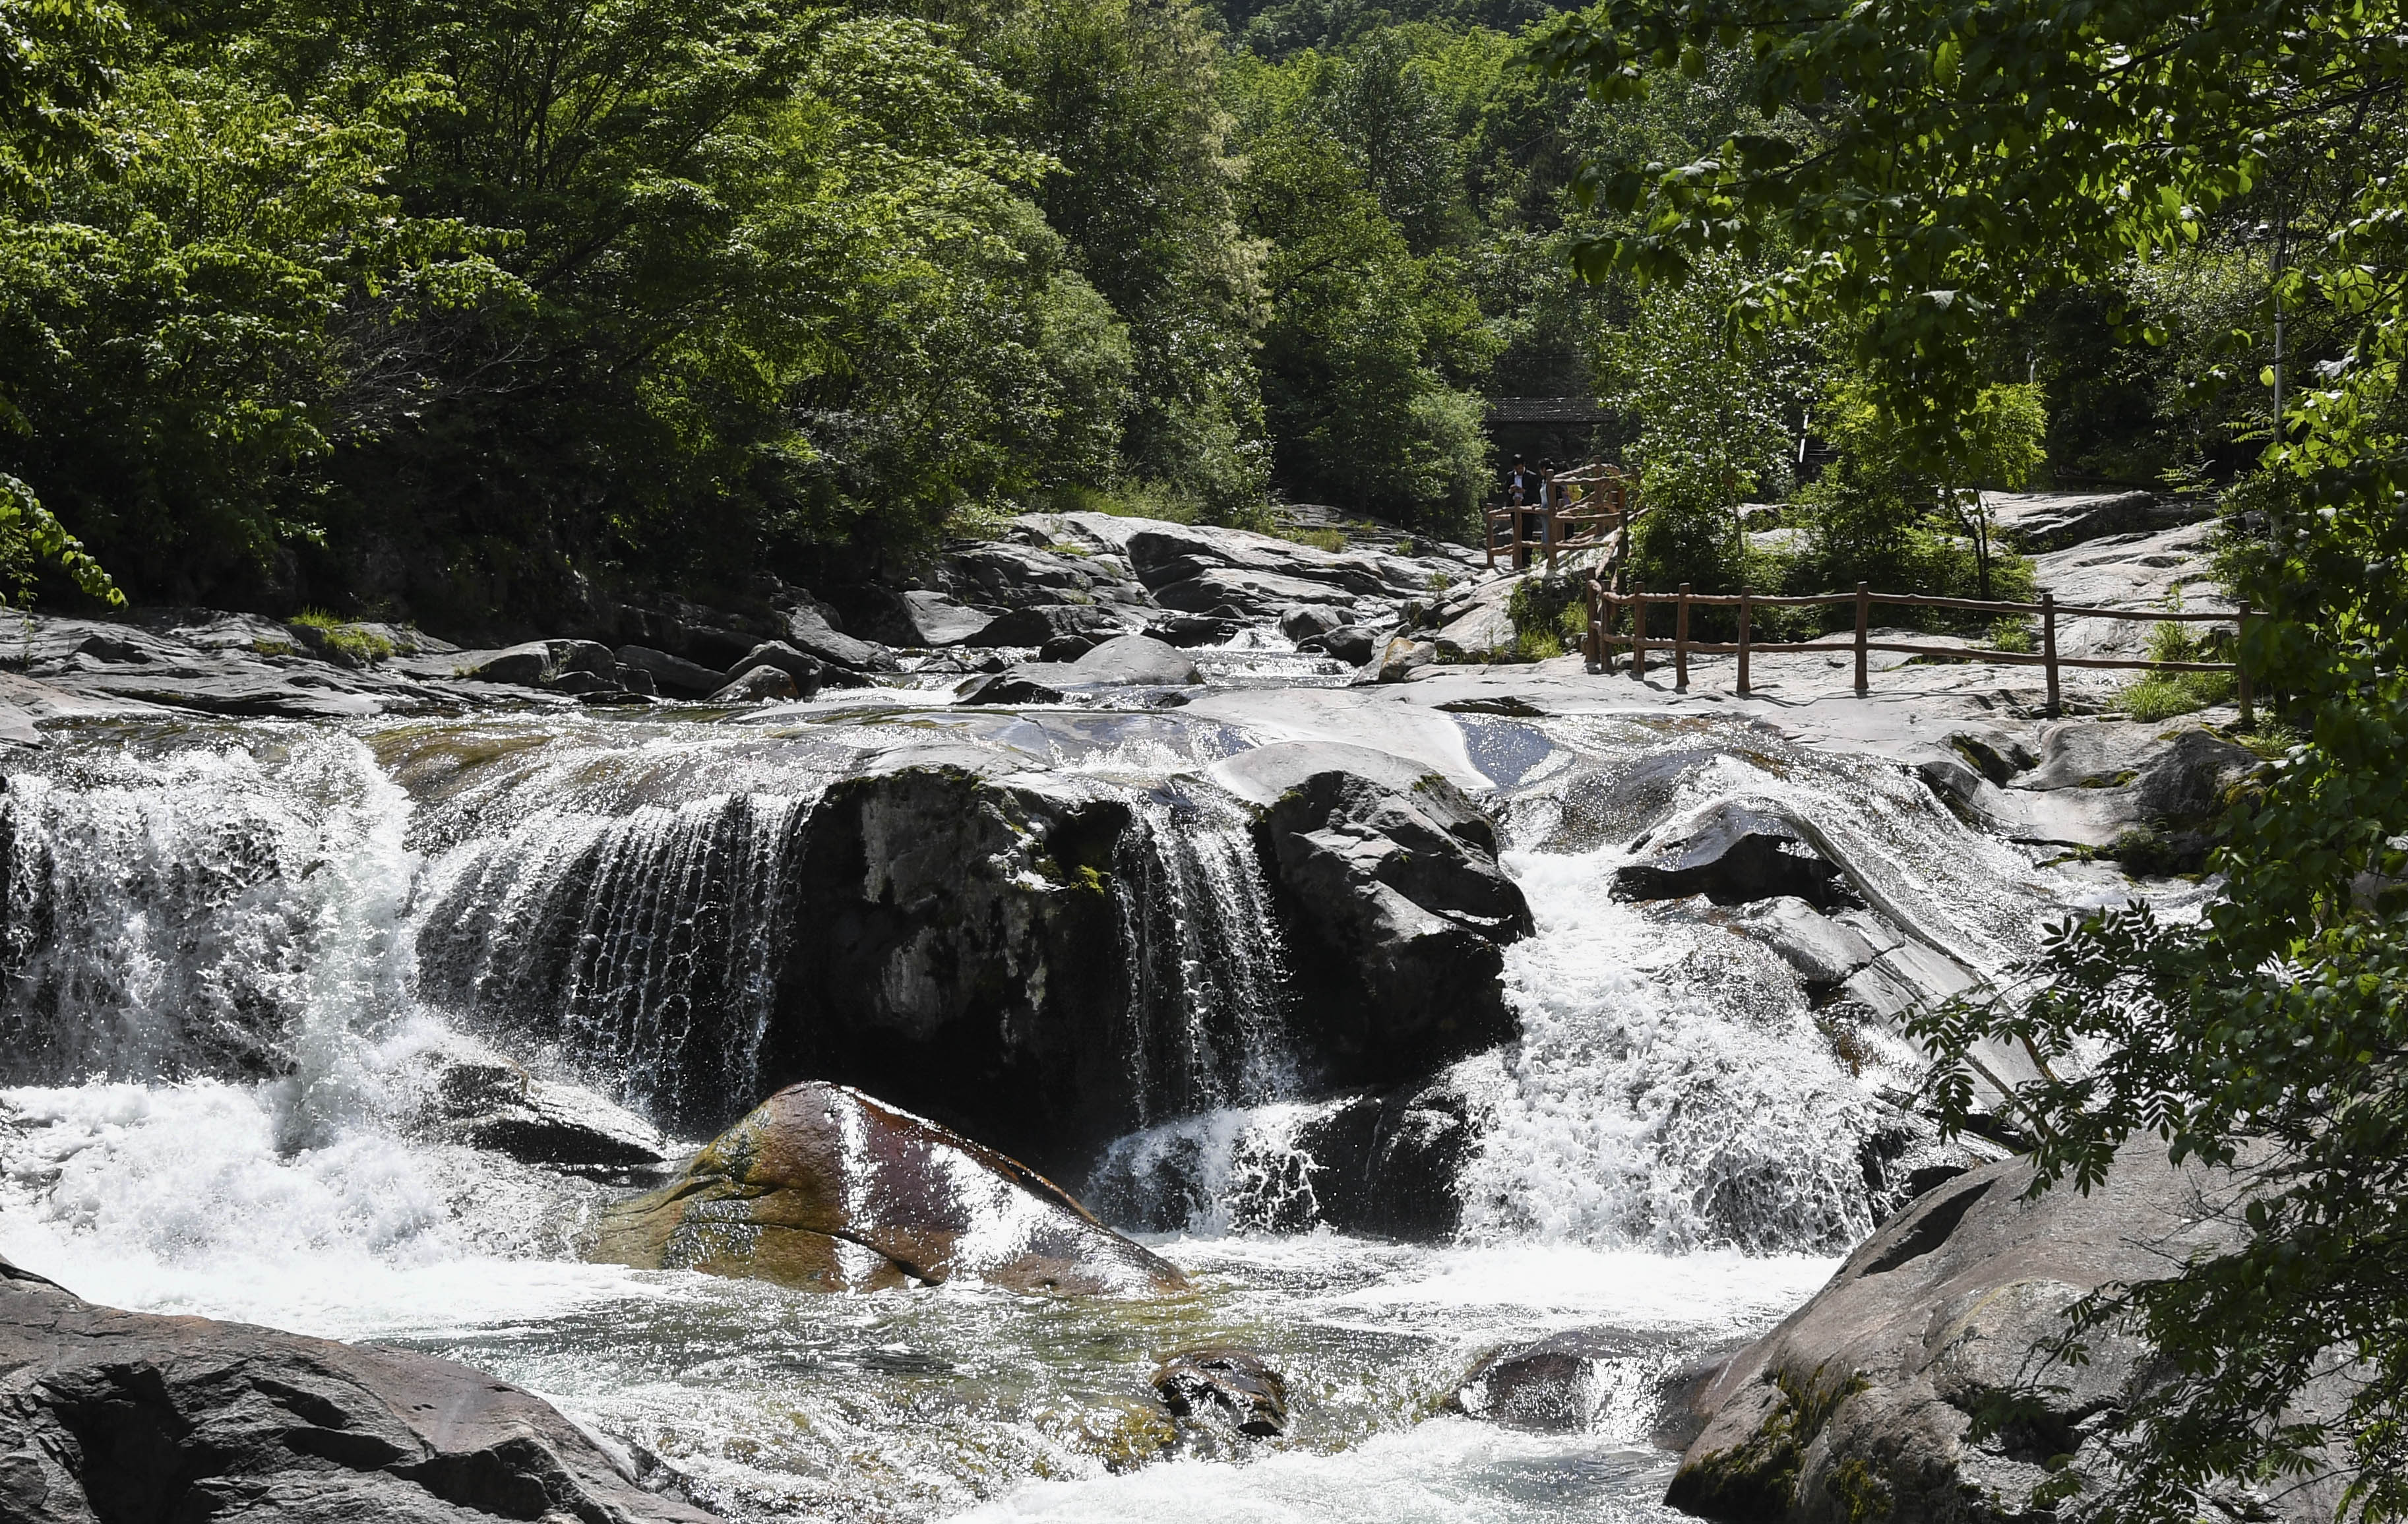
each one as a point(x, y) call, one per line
point(824, 1188)
point(121, 1417)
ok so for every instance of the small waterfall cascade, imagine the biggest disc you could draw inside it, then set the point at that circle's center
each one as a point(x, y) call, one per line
point(1207, 974)
point(238, 910)
point(618, 946)
point(1232, 1170)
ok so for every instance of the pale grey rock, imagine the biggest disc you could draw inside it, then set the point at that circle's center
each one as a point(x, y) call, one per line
point(937, 621)
point(808, 631)
point(763, 684)
point(1137, 658)
point(672, 674)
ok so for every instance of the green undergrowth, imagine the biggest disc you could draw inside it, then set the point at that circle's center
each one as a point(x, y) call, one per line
point(1550, 616)
point(2162, 695)
point(343, 638)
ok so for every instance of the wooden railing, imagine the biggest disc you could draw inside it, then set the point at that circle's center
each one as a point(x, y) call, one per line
point(1604, 602)
point(1607, 503)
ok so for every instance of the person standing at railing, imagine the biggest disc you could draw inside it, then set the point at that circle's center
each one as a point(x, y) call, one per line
point(1550, 496)
point(1521, 487)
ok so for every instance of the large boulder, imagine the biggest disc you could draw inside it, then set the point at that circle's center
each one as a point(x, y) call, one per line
point(1863, 1404)
point(121, 1417)
point(808, 631)
point(1396, 906)
point(1733, 854)
point(547, 663)
point(824, 1189)
point(1224, 1388)
point(1120, 662)
point(958, 945)
point(672, 674)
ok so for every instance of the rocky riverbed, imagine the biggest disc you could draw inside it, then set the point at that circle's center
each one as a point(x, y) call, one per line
point(1133, 963)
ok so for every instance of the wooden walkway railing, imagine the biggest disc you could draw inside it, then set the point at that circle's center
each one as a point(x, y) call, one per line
point(1604, 602)
point(1580, 510)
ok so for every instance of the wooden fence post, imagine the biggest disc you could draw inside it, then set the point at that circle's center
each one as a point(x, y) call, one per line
point(1742, 642)
point(1864, 624)
point(1639, 632)
point(2241, 670)
point(1681, 641)
point(2048, 646)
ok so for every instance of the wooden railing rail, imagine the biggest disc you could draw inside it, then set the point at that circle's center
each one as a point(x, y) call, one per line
point(1604, 602)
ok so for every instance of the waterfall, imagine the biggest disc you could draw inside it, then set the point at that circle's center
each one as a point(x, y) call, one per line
point(1208, 980)
point(639, 951)
point(1233, 1170)
point(228, 909)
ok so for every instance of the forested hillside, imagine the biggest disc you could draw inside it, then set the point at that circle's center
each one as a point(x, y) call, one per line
point(453, 312)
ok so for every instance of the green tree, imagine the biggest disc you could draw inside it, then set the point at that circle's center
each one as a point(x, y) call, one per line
point(1970, 158)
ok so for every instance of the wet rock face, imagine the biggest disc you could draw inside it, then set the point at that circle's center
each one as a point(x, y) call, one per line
point(487, 1101)
point(956, 942)
point(121, 1417)
point(1387, 1165)
point(1226, 1388)
point(1399, 911)
point(1869, 1392)
point(1733, 855)
point(824, 1189)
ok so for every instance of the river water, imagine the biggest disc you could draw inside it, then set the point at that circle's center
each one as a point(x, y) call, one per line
point(230, 947)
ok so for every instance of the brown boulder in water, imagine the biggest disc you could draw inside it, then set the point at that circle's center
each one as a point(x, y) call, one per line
point(824, 1188)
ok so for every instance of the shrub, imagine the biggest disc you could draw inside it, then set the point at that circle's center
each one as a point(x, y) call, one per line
point(2162, 695)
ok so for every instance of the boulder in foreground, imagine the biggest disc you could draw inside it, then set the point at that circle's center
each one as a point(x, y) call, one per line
point(824, 1189)
point(128, 1419)
point(1224, 1388)
point(1863, 1404)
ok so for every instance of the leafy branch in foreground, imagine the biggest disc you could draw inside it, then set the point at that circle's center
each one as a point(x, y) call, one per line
point(29, 533)
point(1963, 161)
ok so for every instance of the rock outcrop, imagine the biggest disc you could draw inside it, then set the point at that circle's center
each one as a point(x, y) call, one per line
point(1396, 906)
point(1387, 1163)
point(486, 1101)
point(957, 946)
point(120, 1417)
point(1863, 1404)
point(1731, 855)
point(824, 1189)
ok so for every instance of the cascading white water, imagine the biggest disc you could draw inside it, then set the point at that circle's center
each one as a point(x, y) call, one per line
point(267, 906)
point(621, 947)
point(1207, 967)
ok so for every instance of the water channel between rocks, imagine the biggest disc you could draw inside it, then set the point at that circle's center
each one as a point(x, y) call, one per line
point(231, 947)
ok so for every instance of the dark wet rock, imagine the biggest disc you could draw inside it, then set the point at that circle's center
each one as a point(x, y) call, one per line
point(1388, 1164)
point(697, 632)
point(114, 1417)
point(758, 685)
point(1996, 756)
point(1732, 854)
point(1561, 1383)
point(488, 1102)
point(637, 682)
point(958, 947)
point(1064, 649)
point(1038, 624)
point(1191, 630)
point(825, 1188)
point(1351, 643)
point(1403, 656)
point(1870, 1390)
point(1028, 682)
point(1397, 909)
point(672, 674)
point(808, 631)
point(1224, 1388)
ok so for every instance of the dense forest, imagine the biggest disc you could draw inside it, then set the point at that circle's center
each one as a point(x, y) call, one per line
point(459, 312)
